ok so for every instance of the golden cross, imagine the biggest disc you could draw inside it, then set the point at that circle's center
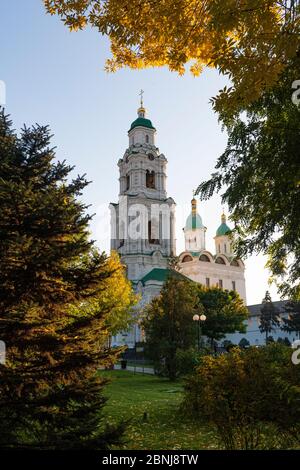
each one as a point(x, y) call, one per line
point(141, 95)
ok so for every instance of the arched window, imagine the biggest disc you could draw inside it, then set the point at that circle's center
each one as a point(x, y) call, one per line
point(147, 139)
point(220, 261)
point(150, 179)
point(153, 241)
point(204, 258)
point(234, 263)
point(187, 258)
point(127, 182)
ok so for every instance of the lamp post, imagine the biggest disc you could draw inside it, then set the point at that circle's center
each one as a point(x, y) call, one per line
point(199, 319)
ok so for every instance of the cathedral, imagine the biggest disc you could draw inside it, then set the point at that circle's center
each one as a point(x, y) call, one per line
point(143, 228)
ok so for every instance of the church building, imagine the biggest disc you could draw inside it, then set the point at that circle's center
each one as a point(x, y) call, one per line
point(143, 228)
point(221, 268)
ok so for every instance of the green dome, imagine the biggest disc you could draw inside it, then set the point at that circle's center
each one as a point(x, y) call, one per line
point(193, 222)
point(223, 230)
point(140, 121)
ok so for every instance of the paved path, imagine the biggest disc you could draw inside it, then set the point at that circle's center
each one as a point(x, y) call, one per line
point(138, 369)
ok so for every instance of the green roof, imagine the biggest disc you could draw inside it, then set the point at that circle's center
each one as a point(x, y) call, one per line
point(142, 122)
point(223, 230)
point(161, 275)
point(193, 222)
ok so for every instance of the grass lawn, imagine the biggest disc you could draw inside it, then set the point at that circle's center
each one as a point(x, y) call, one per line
point(131, 395)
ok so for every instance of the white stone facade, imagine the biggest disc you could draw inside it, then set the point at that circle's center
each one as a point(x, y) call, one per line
point(143, 220)
point(143, 228)
point(210, 273)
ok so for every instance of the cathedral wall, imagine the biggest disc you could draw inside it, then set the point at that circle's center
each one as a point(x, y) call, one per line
point(199, 271)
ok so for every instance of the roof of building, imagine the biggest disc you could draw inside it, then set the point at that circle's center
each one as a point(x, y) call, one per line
point(143, 122)
point(193, 222)
point(161, 275)
point(223, 229)
point(255, 310)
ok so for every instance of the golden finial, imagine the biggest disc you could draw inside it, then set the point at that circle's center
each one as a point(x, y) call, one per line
point(141, 95)
point(141, 110)
point(223, 216)
point(194, 203)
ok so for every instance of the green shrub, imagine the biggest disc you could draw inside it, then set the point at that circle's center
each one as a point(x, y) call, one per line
point(188, 360)
point(252, 397)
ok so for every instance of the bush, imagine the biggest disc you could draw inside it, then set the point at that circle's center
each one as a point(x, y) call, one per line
point(188, 359)
point(252, 397)
point(244, 343)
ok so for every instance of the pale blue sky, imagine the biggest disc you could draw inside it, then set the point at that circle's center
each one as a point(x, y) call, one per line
point(56, 77)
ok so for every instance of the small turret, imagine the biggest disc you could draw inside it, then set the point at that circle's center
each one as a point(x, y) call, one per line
point(194, 230)
point(222, 238)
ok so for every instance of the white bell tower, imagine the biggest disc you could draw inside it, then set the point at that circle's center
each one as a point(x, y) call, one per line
point(143, 221)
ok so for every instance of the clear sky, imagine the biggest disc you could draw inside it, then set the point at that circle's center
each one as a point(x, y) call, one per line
point(56, 77)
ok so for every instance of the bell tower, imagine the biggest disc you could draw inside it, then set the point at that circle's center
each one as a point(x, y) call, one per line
point(143, 220)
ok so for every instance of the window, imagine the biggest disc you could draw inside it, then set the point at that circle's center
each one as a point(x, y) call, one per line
point(150, 179)
point(233, 285)
point(153, 241)
point(207, 282)
point(186, 259)
point(220, 261)
point(147, 139)
point(204, 258)
point(219, 248)
point(127, 182)
point(220, 283)
point(225, 248)
point(121, 243)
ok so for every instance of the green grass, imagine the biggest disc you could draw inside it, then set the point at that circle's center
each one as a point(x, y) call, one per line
point(131, 395)
point(139, 363)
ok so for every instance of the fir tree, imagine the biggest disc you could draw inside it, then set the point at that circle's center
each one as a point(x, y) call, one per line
point(53, 325)
point(269, 316)
point(292, 323)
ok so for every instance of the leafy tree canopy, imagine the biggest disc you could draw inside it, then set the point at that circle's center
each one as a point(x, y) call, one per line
point(259, 174)
point(251, 40)
point(224, 310)
point(169, 325)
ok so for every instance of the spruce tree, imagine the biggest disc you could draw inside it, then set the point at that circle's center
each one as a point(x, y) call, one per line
point(269, 316)
point(54, 327)
point(292, 323)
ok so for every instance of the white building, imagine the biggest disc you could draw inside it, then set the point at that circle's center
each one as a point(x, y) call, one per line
point(143, 220)
point(254, 336)
point(220, 269)
point(143, 232)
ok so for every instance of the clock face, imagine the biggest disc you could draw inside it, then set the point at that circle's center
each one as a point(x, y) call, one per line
point(150, 156)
